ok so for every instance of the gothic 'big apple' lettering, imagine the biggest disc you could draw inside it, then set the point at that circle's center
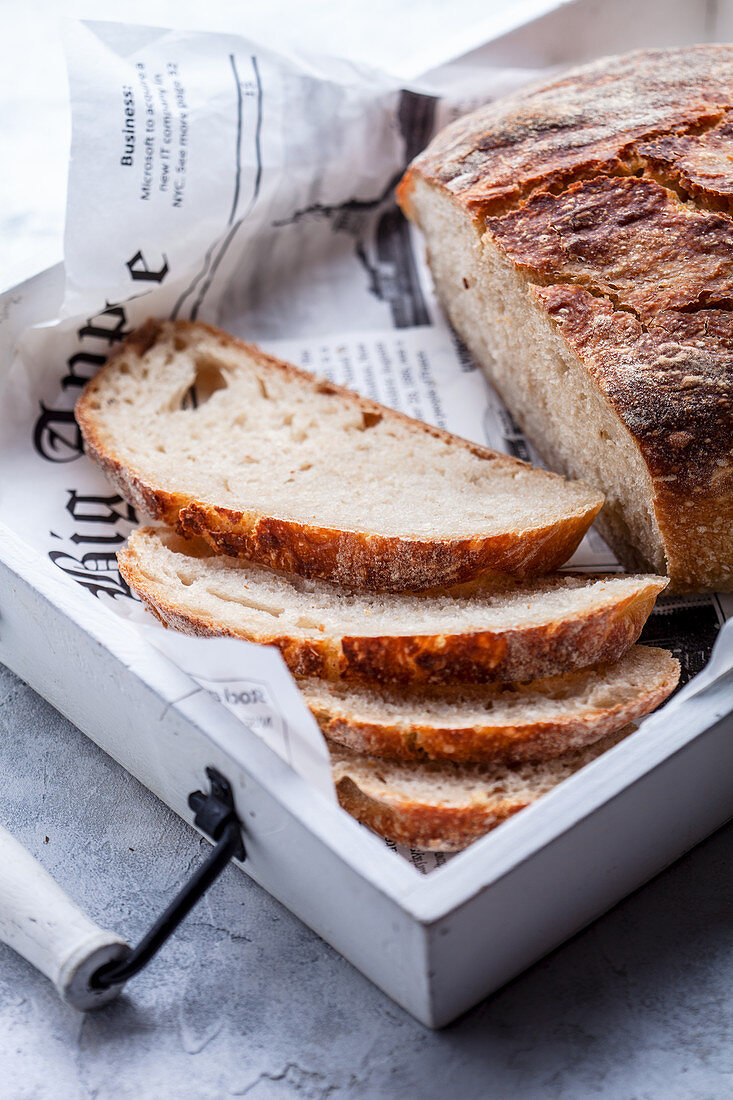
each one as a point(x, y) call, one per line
point(94, 509)
point(56, 436)
point(80, 380)
point(139, 269)
point(96, 571)
point(98, 329)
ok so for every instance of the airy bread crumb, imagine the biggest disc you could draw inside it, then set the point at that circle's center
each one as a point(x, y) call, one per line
point(266, 462)
point(510, 631)
point(441, 806)
point(504, 723)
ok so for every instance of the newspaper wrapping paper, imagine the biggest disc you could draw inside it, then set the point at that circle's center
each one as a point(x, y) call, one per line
point(213, 178)
point(254, 685)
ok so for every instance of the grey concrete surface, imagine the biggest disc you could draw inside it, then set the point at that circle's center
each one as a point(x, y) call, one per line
point(246, 1001)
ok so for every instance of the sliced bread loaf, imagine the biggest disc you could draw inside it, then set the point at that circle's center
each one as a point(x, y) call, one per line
point(580, 237)
point(505, 723)
point(269, 463)
point(445, 806)
point(516, 631)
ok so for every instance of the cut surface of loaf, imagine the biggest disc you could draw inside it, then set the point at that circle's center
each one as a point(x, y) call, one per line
point(442, 806)
point(505, 723)
point(513, 631)
point(267, 462)
point(581, 238)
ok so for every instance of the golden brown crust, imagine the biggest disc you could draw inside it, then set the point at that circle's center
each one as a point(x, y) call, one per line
point(550, 177)
point(417, 825)
point(698, 164)
point(303, 656)
point(446, 806)
point(585, 123)
point(642, 259)
point(369, 561)
point(381, 562)
point(522, 654)
point(526, 654)
point(393, 739)
point(626, 238)
point(672, 385)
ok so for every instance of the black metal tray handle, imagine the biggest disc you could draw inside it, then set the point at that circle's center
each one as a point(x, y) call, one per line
point(89, 965)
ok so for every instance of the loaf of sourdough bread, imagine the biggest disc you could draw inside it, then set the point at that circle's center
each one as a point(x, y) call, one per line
point(270, 463)
point(580, 235)
point(475, 633)
point(498, 723)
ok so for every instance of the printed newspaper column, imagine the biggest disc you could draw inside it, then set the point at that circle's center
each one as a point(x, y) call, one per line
point(166, 159)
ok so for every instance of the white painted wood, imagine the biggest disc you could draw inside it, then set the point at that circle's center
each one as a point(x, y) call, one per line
point(336, 876)
point(41, 923)
point(581, 873)
point(435, 945)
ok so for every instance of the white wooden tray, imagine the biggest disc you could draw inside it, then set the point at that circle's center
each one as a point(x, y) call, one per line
point(436, 944)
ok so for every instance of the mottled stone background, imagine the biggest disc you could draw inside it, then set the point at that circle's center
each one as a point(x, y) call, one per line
point(247, 1001)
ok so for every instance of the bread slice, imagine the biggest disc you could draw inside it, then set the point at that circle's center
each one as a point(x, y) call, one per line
point(442, 806)
point(270, 463)
point(504, 723)
point(517, 631)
